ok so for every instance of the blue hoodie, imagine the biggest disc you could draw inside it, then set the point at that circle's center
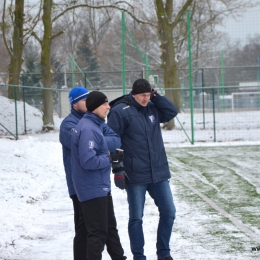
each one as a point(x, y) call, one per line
point(90, 163)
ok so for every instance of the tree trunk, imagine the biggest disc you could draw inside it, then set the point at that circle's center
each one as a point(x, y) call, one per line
point(17, 51)
point(48, 123)
point(166, 25)
point(171, 76)
point(171, 79)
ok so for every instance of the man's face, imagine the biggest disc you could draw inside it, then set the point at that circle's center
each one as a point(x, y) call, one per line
point(102, 110)
point(81, 106)
point(142, 98)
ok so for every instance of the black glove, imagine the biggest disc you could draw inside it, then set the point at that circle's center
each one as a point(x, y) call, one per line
point(120, 176)
point(116, 157)
point(154, 94)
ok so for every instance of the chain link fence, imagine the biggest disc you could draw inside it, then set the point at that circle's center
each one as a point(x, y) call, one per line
point(219, 113)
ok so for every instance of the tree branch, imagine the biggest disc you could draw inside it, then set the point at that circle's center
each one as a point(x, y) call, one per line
point(181, 12)
point(57, 34)
point(3, 30)
point(36, 37)
point(114, 6)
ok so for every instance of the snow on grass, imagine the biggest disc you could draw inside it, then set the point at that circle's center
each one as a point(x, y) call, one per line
point(208, 178)
point(212, 172)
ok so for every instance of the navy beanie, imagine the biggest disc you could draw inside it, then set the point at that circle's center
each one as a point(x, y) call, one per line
point(141, 86)
point(95, 99)
point(77, 94)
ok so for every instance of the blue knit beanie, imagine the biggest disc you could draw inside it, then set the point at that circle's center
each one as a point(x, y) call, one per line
point(77, 94)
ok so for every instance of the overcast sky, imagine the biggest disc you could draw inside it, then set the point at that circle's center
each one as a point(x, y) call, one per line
point(244, 26)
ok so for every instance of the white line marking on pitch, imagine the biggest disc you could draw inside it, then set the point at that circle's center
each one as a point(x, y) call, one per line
point(233, 219)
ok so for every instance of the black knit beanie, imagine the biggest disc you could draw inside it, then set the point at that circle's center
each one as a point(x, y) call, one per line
point(95, 99)
point(141, 86)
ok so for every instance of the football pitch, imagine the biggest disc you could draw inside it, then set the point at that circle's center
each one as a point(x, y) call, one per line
point(217, 196)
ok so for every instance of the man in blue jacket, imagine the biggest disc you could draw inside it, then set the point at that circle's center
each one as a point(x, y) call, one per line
point(77, 98)
point(91, 168)
point(136, 118)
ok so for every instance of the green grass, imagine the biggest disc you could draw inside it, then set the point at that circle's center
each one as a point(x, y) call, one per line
point(230, 177)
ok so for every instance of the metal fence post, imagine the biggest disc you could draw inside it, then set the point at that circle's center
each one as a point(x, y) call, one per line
point(203, 101)
point(190, 77)
point(258, 78)
point(16, 121)
point(123, 54)
point(214, 120)
point(24, 112)
point(222, 81)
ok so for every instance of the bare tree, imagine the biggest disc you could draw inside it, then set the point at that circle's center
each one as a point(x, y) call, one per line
point(20, 25)
point(50, 16)
point(171, 22)
point(139, 41)
point(168, 19)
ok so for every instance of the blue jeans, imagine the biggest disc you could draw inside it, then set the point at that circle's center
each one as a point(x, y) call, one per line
point(162, 196)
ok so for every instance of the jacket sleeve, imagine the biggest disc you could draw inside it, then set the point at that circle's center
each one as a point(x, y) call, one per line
point(112, 139)
point(115, 122)
point(66, 130)
point(166, 108)
point(89, 157)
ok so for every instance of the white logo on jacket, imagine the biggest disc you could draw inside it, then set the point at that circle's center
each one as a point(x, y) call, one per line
point(152, 118)
point(91, 144)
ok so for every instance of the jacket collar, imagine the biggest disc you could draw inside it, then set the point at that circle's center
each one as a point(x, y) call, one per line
point(76, 113)
point(93, 117)
point(123, 99)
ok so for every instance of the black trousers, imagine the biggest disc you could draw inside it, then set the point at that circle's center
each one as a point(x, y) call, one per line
point(80, 238)
point(101, 228)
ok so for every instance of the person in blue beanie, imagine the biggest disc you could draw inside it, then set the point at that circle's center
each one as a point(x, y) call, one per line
point(136, 118)
point(91, 168)
point(77, 97)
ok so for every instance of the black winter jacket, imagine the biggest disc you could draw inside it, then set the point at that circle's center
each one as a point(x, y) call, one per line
point(145, 158)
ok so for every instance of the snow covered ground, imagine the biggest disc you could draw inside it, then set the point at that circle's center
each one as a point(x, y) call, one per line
point(216, 188)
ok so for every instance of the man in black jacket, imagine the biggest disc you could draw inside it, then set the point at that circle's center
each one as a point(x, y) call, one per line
point(136, 119)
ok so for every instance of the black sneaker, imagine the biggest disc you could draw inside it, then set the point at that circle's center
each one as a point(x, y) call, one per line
point(166, 258)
